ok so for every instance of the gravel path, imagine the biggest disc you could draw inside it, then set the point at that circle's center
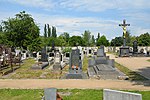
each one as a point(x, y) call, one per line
point(70, 84)
point(138, 64)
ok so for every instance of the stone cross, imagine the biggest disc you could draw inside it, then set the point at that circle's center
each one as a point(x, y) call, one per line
point(124, 25)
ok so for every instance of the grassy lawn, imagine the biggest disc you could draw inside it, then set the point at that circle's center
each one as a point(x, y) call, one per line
point(85, 63)
point(66, 94)
point(133, 76)
point(148, 60)
point(25, 72)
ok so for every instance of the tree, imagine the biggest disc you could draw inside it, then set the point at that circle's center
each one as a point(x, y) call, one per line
point(93, 40)
point(118, 41)
point(1, 28)
point(66, 36)
point(87, 37)
point(54, 32)
point(45, 31)
point(61, 41)
point(98, 36)
point(144, 39)
point(48, 30)
point(102, 41)
point(76, 41)
point(21, 31)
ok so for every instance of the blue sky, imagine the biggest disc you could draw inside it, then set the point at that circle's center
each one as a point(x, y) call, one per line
point(76, 16)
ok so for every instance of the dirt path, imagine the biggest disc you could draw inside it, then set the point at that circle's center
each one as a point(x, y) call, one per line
point(139, 64)
point(70, 84)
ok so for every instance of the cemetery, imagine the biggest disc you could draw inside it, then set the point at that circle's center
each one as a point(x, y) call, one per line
point(74, 50)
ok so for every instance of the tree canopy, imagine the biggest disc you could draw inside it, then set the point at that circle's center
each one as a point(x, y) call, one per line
point(21, 31)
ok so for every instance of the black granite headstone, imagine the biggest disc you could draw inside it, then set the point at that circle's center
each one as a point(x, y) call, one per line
point(135, 47)
point(75, 66)
point(44, 55)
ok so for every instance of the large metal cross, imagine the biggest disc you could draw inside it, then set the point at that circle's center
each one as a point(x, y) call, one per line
point(124, 25)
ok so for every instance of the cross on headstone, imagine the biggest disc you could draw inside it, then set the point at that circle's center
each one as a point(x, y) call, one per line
point(124, 25)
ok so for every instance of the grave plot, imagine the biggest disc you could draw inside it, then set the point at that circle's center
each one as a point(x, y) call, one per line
point(57, 61)
point(140, 52)
point(9, 60)
point(42, 60)
point(102, 67)
point(75, 66)
point(51, 56)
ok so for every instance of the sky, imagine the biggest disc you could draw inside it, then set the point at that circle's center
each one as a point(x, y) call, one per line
point(76, 16)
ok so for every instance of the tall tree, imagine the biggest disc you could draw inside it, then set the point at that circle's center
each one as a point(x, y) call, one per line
point(54, 32)
point(87, 37)
point(98, 36)
point(21, 31)
point(45, 31)
point(93, 40)
point(49, 30)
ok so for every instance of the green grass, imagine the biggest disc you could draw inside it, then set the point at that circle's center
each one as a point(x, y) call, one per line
point(133, 76)
point(148, 60)
point(25, 72)
point(85, 63)
point(66, 94)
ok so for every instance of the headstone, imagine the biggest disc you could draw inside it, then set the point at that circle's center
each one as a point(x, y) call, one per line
point(100, 52)
point(44, 55)
point(135, 47)
point(120, 95)
point(75, 66)
point(57, 61)
point(50, 94)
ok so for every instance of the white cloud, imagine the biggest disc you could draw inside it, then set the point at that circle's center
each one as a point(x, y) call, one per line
point(45, 4)
point(102, 5)
point(77, 25)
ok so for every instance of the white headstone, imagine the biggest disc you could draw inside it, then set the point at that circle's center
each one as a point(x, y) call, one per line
point(120, 95)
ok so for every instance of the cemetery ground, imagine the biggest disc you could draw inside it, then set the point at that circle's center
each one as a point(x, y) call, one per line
point(26, 83)
point(66, 94)
point(25, 72)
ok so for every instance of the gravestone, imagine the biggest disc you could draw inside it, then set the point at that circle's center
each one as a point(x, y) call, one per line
point(50, 94)
point(75, 66)
point(100, 52)
point(57, 61)
point(51, 58)
point(135, 47)
point(44, 55)
point(103, 67)
point(120, 95)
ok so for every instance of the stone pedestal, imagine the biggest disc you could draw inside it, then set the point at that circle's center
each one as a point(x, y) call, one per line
point(124, 51)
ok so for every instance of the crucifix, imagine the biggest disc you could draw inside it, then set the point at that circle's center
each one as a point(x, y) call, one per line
point(124, 25)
